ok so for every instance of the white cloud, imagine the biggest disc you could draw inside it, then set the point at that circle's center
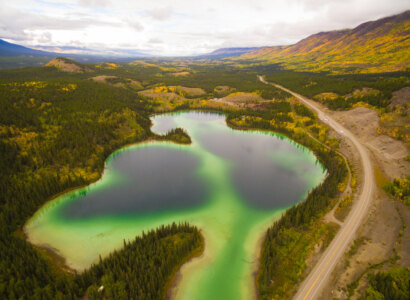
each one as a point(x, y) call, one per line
point(94, 3)
point(186, 27)
point(160, 13)
point(155, 41)
point(45, 38)
point(137, 26)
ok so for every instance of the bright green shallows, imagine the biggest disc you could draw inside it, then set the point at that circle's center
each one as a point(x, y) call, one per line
point(232, 224)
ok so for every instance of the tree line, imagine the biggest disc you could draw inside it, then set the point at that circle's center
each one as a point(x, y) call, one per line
point(56, 130)
point(300, 216)
point(312, 84)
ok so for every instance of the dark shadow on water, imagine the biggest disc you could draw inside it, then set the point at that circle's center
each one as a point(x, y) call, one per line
point(155, 179)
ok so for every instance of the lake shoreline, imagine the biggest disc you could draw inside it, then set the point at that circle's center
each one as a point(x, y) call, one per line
point(50, 252)
point(177, 277)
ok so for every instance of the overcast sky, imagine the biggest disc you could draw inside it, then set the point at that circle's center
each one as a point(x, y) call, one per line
point(181, 27)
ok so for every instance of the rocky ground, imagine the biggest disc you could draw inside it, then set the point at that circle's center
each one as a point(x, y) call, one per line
point(379, 236)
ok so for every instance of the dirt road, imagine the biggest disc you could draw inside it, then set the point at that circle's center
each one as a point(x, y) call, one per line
point(311, 287)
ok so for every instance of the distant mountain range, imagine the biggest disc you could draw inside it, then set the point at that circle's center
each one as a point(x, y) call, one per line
point(376, 46)
point(70, 50)
point(9, 49)
point(13, 55)
point(228, 52)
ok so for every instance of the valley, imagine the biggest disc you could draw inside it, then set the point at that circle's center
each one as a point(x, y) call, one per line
point(245, 173)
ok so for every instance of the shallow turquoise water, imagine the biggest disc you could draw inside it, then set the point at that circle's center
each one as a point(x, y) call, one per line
point(231, 184)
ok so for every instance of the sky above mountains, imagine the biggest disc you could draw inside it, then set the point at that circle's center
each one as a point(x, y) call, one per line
point(181, 27)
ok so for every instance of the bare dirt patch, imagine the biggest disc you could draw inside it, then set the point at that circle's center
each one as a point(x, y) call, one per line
point(401, 96)
point(361, 121)
point(380, 233)
point(389, 147)
point(391, 153)
point(381, 229)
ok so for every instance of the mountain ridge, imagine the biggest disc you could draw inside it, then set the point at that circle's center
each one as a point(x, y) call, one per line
point(10, 49)
point(228, 52)
point(375, 46)
point(16, 56)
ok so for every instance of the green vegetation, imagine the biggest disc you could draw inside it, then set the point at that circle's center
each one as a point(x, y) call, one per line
point(393, 284)
point(9, 62)
point(300, 218)
point(342, 92)
point(289, 253)
point(395, 119)
point(69, 61)
point(177, 135)
point(372, 47)
point(356, 245)
point(56, 130)
point(399, 188)
point(208, 77)
point(55, 134)
point(343, 86)
point(379, 177)
point(159, 253)
point(302, 110)
point(289, 240)
point(344, 207)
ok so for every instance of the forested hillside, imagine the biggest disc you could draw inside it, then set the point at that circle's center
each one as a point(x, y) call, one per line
point(348, 91)
point(56, 130)
point(372, 47)
point(289, 240)
point(55, 133)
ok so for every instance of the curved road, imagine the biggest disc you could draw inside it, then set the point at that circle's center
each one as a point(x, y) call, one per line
point(311, 287)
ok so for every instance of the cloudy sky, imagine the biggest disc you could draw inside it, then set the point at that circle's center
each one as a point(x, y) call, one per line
point(181, 27)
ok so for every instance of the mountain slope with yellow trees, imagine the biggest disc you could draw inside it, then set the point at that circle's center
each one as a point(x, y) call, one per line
point(372, 47)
